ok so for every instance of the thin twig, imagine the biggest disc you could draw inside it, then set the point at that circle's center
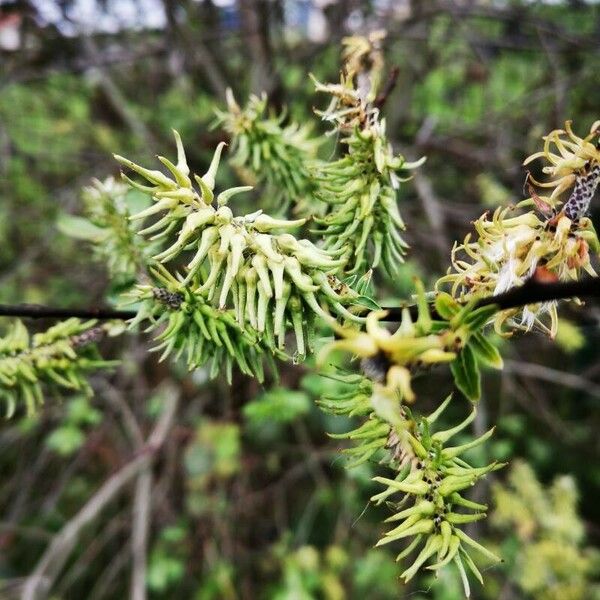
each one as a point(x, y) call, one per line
point(143, 496)
point(139, 534)
point(109, 576)
point(544, 373)
point(531, 292)
point(125, 415)
point(38, 311)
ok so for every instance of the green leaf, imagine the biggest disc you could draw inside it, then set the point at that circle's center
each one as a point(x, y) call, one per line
point(446, 306)
point(174, 533)
point(164, 571)
point(80, 412)
point(215, 451)
point(466, 374)
point(477, 318)
point(569, 336)
point(80, 228)
point(486, 351)
point(366, 302)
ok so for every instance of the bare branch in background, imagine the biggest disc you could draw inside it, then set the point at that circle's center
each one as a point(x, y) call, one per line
point(139, 536)
point(262, 73)
point(114, 95)
point(382, 98)
point(195, 48)
point(562, 378)
point(433, 212)
point(40, 582)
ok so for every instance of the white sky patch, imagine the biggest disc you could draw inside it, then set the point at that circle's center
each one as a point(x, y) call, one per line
point(86, 15)
point(223, 3)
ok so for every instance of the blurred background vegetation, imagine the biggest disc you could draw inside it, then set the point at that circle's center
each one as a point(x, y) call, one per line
point(248, 497)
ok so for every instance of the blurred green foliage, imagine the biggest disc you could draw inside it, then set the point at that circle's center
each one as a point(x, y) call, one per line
point(544, 549)
point(69, 436)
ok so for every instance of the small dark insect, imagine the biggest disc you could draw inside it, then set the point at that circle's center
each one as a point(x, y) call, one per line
point(171, 299)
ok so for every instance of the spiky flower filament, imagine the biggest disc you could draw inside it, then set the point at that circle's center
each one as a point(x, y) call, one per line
point(456, 337)
point(353, 399)
point(508, 250)
point(58, 358)
point(272, 280)
point(360, 189)
point(267, 151)
point(347, 109)
point(187, 325)
point(360, 396)
point(411, 347)
point(432, 481)
point(568, 156)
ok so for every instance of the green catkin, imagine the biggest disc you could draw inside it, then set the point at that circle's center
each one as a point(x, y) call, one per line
point(272, 154)
point(58, 359)
point(109, 230)
point(429, 477)
point(250, 268)
point(362, 221)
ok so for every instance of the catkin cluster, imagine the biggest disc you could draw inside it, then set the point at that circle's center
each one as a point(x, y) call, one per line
point(58, 358)
point(272, 281)
point(573, 166)
point(550, 559)
point(390, 359)
point(429, 475)
point(269, 152)
point(188, 325)
point(432, 481)
point(107, 208)
point(360, 188)
point(552, 241)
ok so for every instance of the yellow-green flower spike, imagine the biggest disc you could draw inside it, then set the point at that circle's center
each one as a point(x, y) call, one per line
point(274, 155)
point(58, 358)
point(432, 477)
point(362, 220)
point(108, 228)
point(250, 264)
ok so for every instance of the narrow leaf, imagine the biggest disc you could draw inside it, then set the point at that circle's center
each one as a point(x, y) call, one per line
point(466, 374)
point(486, 351)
